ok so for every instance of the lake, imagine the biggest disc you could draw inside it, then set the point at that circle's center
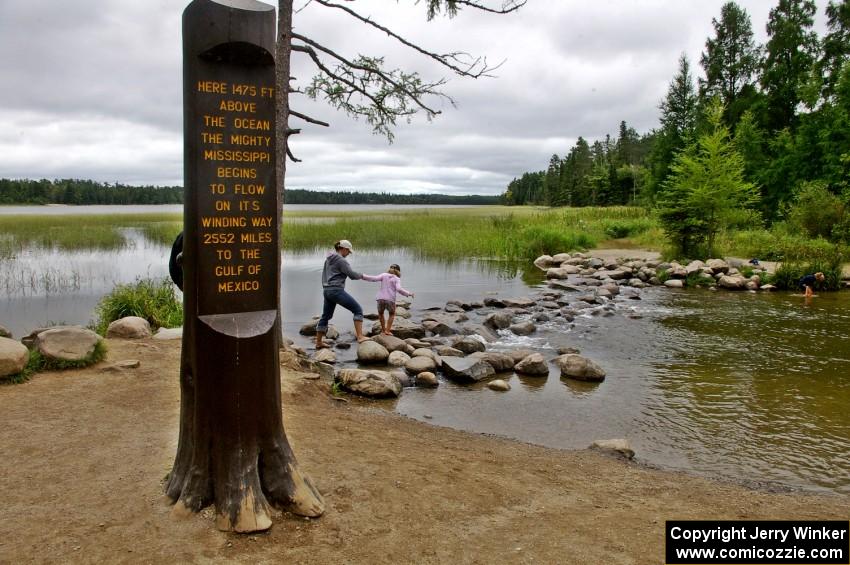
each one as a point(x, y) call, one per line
point(749, 387)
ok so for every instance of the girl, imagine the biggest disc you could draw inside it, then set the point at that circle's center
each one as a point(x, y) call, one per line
point(334, 275)
point(390, 285)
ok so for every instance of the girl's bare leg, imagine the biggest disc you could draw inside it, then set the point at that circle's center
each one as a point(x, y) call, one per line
point(390, 321)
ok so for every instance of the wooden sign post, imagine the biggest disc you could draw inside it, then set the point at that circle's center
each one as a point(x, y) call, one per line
point(232, 449)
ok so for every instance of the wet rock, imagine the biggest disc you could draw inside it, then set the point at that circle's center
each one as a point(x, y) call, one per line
point(451, 307)
point(575, 366)
point(534, 364)
point(523, 328)
point(402, 329)
point(523, 302)
point(419, 364)
point(404, 379)
point(66, 343)
point(343, 345)
point(617, 447)
point(540, 317)
point(390, 342)
point(417, 343)
point(325, 356)
point(425, 352)
point(499, 385)
point(543, 262)
point(618, 274)
point(501, 362)
point(433, 341)
point(14, 356)
point(488, 334)
point(674, 283)
point(499, 320)
point(426, 379)
point(372, 352)
point(548, 304)
point(561, 285)
point(398, 359)
point(564, 350)
point(438, 328)
point(519, 354)
point(493, 302)
point(448, 351)
point(561, 258)
point(594, 263)
point(466, 369)
point(468, 345)
point(372, 383)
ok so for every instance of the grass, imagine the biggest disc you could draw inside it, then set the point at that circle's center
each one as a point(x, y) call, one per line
point(153, 300)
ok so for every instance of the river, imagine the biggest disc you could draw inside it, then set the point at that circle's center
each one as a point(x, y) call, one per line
point(749, 387)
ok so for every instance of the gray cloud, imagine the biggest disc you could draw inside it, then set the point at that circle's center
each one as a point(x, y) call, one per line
point(92, 89)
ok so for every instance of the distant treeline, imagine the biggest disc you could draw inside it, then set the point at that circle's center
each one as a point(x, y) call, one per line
point(302, 196)
point(81, 192)
point(74, 191)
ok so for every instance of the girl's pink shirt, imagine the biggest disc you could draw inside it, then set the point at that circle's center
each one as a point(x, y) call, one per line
point(390, 285)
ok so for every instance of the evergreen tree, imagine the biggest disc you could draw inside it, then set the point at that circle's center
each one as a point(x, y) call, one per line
point(706, 183)
point(552, 183)
point(836, 45)
point(790, 54)
point(730, 61)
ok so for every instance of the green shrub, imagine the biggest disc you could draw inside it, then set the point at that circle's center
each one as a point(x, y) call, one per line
point(539, 240)
point(787, 276)
point(153, 300)
point(816, 211)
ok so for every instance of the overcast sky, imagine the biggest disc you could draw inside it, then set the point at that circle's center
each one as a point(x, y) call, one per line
point(92, 89)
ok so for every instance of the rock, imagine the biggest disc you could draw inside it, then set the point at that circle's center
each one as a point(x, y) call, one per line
point(452, 307)
point(14, 356)
point(398, 358)
point(343, 345)
point(480, 330)
point(66, 343)
point(543, 262)
point(580, 368)
point(427, 379)
point(390, 342)
point(493, 302)
point(417, 343)
point(732, 282)
point(694, 266)
point(466, 369)
point(518, 302)
point(674, 283)
point(548, 304)
point(616, 447)
point(309, 329)
point(499, 320)
point(677, 272)
point(377, 384)
point(5, 333)
point(402, 329)
point(534, 364)
point(128, 364)
point(372, 352)
point(468, 345)
point(167, 334)
point(325, 356)
point(559, 273)
point(501, 362)
point(29, 339)
point(322, 370)
point(448, 351)
point(595, 263)
point(404, 379)
point(767, 287)
point(499, 385)
point(717, 266)
point(568, 351)
point(752, 285)
point(402, 312)
point(129, 327)
point(617, 274)
point(518, 354)
point(560, 258)
point(541, 318)
point(561, 285)
point(438, 328)
point(419, 364)
point(523, 328)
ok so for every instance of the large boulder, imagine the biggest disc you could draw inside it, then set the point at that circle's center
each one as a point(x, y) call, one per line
point(402, 329)
point(543, 262)
point(575, 366)
point(500, 362)
point(523, 328)
point(466, 369)
point(717, 266)
point(534, 364)
point(674, 283)
point(390, 342)
point(13, 356)
point(468, 344)
point(732, 282)
point(372, 352)
point(370, 383)
point(420, 364)
point(66, 343)
point(129, 327)
point(499, 320)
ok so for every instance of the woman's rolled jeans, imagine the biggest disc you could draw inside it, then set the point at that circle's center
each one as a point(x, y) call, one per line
point(336, 295)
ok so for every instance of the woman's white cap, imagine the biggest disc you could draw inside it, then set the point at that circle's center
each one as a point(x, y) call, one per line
point(347, 244)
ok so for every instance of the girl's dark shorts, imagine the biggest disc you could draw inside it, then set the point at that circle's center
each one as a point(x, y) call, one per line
point(387, 305)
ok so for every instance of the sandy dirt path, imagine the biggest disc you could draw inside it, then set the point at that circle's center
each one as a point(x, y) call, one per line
point(85, 452)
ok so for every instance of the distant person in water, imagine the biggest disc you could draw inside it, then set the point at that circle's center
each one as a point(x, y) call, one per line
point(390, 286)
point(807, 283)
point(334, 275)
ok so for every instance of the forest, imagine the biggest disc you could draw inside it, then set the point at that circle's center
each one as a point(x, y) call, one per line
point(763, 127)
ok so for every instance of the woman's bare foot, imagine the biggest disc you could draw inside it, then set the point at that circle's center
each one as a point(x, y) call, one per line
point(362, 338)
point(387, 333)
point(322, 346)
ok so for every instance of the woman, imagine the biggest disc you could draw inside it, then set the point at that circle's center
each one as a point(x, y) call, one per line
point(334, 275)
